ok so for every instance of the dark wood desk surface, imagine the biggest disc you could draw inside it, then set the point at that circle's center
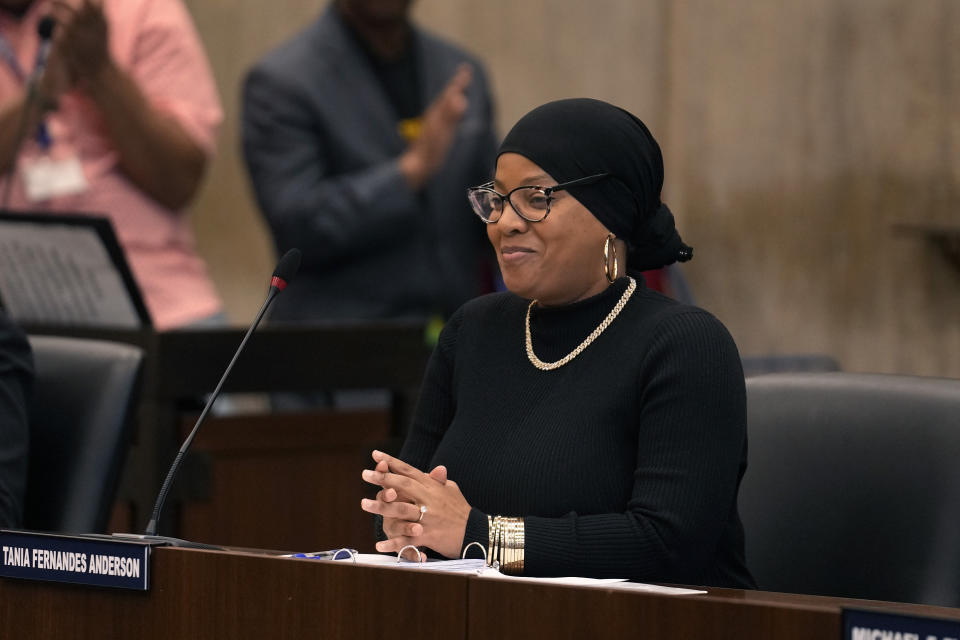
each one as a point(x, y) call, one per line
point(204, 594)
point(209, 594)
point(721, 613)
point(293, 358)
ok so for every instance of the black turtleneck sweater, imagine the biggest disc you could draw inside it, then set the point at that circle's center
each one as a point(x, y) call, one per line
point(625, 462)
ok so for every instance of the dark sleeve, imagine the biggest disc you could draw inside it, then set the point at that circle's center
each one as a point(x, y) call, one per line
point(16, 376)
point(691, 439)
point(305, 204)
point(435, 406)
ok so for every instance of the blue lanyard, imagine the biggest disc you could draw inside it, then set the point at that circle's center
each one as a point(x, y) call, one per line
point(9, 56)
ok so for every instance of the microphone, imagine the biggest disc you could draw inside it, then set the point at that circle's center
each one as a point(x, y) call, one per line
point(282, 276)
point(286, 269)
point(45, 32)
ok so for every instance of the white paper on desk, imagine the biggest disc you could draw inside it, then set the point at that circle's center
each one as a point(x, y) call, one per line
point(61, 274)
point(603, 583)
point(479, 567)
point(452, 566)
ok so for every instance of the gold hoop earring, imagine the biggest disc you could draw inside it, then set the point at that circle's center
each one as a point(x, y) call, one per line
point(606, 259)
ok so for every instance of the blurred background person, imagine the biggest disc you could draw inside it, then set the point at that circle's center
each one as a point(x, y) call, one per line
point(16, 376)
point(361, 135)
point(122, 124)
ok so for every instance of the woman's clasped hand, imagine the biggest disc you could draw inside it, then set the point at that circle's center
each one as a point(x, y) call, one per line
point(418, 508)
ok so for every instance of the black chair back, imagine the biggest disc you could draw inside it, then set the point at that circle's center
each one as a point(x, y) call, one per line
point(80, 420)
point(853, 486)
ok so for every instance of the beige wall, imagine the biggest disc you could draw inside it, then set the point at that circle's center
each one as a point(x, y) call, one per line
point(794, 135)
point(230, 231)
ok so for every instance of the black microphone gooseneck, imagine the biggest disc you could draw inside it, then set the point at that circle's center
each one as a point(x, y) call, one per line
point(282, 275)
point(45, 32)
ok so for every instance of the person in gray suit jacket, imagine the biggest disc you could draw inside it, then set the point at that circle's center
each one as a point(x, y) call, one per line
point(361, 135)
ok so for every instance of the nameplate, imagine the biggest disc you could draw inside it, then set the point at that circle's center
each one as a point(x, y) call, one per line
point(90, 560)
point(860, 624)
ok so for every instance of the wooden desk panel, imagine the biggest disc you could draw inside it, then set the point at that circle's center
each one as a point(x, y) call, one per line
point(211, 594)
point(505, 610)
point(287, 481)
point(205, 594)
point(518, 610)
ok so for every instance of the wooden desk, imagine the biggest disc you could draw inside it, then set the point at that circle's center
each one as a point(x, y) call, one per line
point(520, 610)
point(204, 594)
point(209, 594)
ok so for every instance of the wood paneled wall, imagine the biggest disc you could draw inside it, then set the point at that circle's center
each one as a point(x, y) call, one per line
point(795, 135)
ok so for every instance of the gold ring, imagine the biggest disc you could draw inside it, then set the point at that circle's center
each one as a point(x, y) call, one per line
point(423, 510)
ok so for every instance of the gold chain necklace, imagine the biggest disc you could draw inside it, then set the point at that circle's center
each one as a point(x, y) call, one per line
point(550, 366)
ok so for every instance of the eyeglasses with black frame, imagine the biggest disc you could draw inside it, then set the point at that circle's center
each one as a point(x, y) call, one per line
point(531, 202)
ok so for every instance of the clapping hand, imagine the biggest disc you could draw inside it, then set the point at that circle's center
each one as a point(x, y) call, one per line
point(82, 37)
point(427, 153)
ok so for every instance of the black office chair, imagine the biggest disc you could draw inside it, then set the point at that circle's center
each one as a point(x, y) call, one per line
point(80, 420)
point(853, 486)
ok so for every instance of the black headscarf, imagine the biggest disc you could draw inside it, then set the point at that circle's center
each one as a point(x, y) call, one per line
point(580, 137)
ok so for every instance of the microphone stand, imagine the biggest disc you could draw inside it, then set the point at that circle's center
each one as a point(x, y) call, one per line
point(284, 273)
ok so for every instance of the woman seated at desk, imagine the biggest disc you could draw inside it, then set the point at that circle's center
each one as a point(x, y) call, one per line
point(592, 426)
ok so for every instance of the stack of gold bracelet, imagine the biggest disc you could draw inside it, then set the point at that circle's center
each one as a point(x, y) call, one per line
point(506, 543)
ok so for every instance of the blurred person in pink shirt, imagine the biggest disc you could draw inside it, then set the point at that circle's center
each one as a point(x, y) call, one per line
point(127, 103)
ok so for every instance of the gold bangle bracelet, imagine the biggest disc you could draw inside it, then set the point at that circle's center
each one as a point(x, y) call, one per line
point(506, 543)
point(490, 547)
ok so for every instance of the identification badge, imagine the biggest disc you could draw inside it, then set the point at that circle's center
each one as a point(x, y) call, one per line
point(46, 178)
